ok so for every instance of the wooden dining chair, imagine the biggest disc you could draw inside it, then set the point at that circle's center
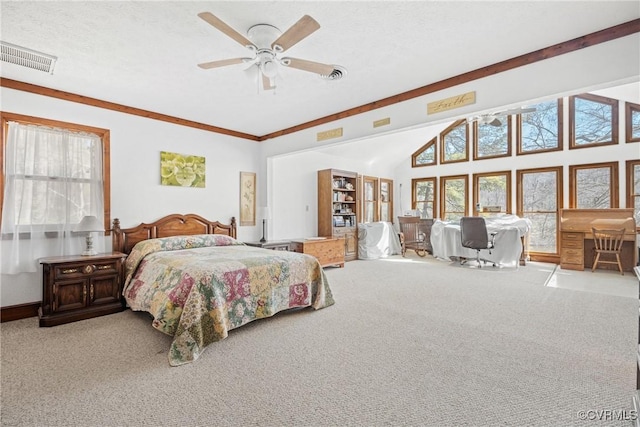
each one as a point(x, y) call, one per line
point(607, 242)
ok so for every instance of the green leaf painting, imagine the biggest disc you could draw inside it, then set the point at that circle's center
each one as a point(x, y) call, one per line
point(182, 170)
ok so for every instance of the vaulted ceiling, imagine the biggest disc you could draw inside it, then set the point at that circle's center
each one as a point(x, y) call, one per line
point(144, 54)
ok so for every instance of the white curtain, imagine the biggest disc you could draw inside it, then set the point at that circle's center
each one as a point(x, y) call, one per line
point(53, 178)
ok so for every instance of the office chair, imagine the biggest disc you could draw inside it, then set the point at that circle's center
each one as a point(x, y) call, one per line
point(474, 235)
point(608, 242)
point(413, 235)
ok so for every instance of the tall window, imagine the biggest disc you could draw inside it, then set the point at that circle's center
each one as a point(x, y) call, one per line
point(632, 116)
point(633, 188)
point(593, 186)
point(370, 198)
point(539, 198)
point(492, 140)
point(425, 155)
point(386, 200)
point(423, 196)
point(593, 121)
point(455, 143)
point(54, 174)
point(540, 130)
point(492, 192)
point(453, 197)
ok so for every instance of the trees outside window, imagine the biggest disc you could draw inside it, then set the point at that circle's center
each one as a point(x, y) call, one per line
point(423, 196)
point(425, 155)
point(540, 130)
point(593, 121)
point(453, 197)
point(632, 120)
point(633, 188)
point(492, 141)
point(539, 198)
point(593, 186)
point(492, 189)
point(454, 142)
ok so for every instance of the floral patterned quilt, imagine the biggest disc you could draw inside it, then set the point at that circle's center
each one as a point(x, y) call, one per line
point(198, 288)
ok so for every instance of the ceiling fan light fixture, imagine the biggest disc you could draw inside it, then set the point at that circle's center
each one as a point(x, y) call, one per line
point(269, 68)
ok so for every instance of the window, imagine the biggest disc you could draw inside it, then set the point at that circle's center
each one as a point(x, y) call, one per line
point(454, 141)
point(539, 198)
point(632, 120)
point(540, 130)
point(423, 196)
point(492, 192)
point(593, 121)
point(54, 174)
point(633, 188)
point(453, 197)
point(370, 199)
point(425, 156)
point(593, 186)
point(492, 141)
point(386, 200)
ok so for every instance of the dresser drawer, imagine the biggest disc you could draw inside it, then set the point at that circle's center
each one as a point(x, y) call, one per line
point(573, 244)
point(76, 270)
point(567, 235)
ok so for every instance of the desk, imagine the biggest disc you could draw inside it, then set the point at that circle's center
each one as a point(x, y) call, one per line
point(510, 242)
point(576, 241)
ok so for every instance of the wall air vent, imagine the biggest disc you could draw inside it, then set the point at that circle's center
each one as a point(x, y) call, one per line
point(337, 73)
point(27, 57)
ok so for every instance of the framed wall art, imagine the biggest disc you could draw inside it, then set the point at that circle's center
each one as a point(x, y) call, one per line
point(182, 170)
point(247, 198)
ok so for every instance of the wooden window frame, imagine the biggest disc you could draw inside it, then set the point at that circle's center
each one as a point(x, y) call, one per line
point(432, 143)
point(540, 256)
point(614, 197)
point(414, 202)
point(443, 138)
point(376, 189)
point(476, 190)
point(443, 181)
point(104, 134)
point(629, 109)
point(572, 120)
point(630, 164)
point(389, 182)
point(476, 128)
point(521, 152)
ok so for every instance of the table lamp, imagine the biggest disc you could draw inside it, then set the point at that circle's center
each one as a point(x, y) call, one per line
point(265, 213)
point(88, 225)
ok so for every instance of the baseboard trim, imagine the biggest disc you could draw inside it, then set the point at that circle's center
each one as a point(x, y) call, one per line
point(20, 311)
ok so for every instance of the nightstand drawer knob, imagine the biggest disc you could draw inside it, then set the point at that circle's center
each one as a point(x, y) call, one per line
point(88, 269)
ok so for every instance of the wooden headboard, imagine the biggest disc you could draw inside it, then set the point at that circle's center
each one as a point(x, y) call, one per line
point(124, 239)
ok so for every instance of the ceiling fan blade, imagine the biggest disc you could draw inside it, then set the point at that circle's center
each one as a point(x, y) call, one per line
point(311, 66)
point(516, 111)
point(495, 122)
point(222, 63)
point(266, 83)
point(226, 29)
point(298, 31)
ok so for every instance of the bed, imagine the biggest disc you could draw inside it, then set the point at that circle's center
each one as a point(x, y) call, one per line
point(198, 282)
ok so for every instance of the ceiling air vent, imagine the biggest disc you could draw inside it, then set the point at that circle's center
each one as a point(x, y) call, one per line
point(27, 57)
point(337, 73)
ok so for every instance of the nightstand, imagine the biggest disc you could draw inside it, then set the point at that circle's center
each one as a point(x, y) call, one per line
point(278, 245)
point(80, 287)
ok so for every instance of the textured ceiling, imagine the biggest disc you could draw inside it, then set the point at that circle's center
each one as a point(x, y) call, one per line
point(144, 54)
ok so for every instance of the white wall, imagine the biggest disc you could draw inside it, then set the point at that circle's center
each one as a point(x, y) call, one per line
point(136, 193)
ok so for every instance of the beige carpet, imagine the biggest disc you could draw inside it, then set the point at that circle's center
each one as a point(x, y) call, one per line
point(417, 342)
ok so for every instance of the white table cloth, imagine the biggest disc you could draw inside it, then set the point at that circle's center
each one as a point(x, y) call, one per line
point(446, 242)
point(377, 240)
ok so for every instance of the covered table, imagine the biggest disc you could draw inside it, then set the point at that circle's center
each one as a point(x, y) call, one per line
point(509, 242)
point(377, 240)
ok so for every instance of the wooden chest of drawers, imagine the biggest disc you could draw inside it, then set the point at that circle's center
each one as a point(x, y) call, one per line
point(572, 250)
point(80, 287)
point(328, 251)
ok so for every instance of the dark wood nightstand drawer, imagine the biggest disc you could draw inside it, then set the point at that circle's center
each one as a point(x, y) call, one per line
point(75, 270)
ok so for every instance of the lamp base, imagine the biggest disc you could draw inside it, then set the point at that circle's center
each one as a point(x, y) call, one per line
point(264, 222)
point(89, 251)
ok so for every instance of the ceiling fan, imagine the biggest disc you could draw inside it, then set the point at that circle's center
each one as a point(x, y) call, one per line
point(492, 118)
point(266, 43)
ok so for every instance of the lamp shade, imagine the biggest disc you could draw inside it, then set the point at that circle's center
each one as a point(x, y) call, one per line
point(265, 213)
point(89, 223)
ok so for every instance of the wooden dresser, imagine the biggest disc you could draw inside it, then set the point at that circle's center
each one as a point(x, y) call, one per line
point(329, 251)
point(576, 241)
